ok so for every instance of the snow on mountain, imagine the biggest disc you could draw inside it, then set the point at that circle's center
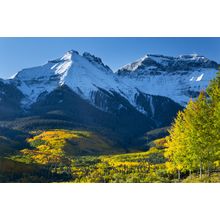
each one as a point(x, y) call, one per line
point(84, 74)
point(175, 77)
point(178, 78)
point(168, 63)
point(149, 61)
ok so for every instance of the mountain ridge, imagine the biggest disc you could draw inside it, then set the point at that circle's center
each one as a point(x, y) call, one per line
point(87, 73)
point(79, 90)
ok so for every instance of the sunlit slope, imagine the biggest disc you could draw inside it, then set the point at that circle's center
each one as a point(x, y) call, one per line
point(51, 145)
point(122, 168)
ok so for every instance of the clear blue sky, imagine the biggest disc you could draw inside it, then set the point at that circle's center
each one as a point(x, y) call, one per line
point(18, 53)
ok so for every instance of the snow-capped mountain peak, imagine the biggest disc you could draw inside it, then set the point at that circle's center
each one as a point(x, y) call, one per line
point(69, 55)
point(193, 56)
point(158, 63)
point(80, 90)
point(84, 74)
point(133, 66)
point(147, 60)
point(97, 61)
point(177, 78)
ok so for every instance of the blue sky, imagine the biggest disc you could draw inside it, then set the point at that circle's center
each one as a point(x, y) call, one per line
point(18, 53)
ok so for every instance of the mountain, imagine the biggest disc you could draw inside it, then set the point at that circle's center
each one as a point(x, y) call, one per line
point(80, 91)
point(175, 77)
point(178, 78)
point(10, 101)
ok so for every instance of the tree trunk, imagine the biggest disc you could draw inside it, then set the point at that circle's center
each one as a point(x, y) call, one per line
point(200, 170)
point(179, 175)
point(209, 169)
point(190, 174)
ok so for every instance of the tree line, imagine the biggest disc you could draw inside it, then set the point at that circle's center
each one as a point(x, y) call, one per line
point(193, 144)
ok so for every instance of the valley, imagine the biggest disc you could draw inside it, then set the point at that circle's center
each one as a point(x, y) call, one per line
point(75, 120)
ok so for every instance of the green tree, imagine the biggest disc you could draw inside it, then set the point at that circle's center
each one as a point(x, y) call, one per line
point(213, 92)
point(175, 152)
point(199, 127)
point(191, 144)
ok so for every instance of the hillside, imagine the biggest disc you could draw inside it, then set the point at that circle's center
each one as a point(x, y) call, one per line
point(142, 167)
point(78, 91)
point(75, 120)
